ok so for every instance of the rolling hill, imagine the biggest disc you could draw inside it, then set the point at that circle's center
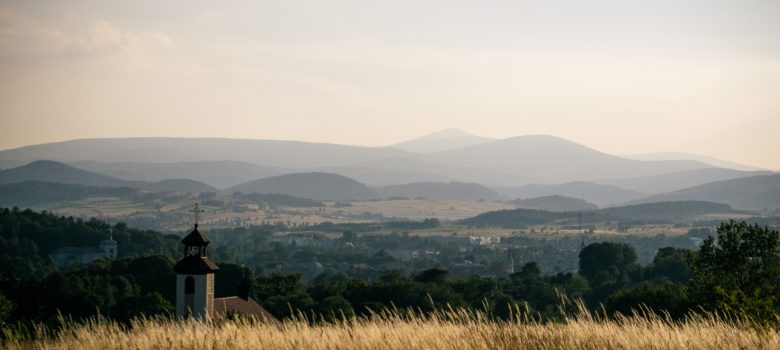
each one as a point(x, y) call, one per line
point(51, 171)
point(601, 195)
point(220, 174)
point(45, 171)
point(679, 180)
point(320, 186)
point(668, 211)
point(32, 193)
point(716, 162)
point(440, 190)
point(554, 203)
point(749, 193)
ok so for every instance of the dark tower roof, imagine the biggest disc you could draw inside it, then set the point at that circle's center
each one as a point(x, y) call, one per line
point(195, 265)
point(195, 238)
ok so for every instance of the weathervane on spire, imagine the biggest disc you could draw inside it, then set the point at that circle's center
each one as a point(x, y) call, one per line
point(197, 212)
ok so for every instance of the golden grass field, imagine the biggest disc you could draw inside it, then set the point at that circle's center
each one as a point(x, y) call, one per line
point(388, 330)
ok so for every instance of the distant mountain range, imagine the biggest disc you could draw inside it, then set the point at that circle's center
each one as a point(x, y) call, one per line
point(751, 192)
point(508, 162)
point(269, 153)
point(446, 165)
point(548, 159)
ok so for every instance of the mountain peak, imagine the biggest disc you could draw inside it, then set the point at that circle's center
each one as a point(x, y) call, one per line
point(447, 133)
point(443, 140)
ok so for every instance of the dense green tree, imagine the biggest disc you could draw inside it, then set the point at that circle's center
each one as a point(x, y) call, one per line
point(739, 272)
point(607, 261)
point(607, 266)
point(230, 277)
point(282, 294)
point(432, 276)
point(6, 306)
point(333, 308)
point(671, 264)
point(658, 298)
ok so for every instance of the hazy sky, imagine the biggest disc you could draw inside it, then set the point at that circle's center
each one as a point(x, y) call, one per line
point(619, 76)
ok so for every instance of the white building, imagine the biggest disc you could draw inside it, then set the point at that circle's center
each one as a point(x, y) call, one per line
point(71, 256)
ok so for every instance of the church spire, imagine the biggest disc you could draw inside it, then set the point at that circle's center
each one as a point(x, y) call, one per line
point(197, 212)
point(195, 275)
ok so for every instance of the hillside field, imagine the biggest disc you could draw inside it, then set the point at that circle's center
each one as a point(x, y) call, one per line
point(175, 215)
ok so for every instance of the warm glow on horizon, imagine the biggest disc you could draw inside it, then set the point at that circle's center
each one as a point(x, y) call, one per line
point(622, 77)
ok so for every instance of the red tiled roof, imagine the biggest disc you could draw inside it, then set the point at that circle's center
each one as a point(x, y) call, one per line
point(225, 306)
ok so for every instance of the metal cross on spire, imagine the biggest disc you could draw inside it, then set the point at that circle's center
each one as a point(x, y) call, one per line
point(197, 212)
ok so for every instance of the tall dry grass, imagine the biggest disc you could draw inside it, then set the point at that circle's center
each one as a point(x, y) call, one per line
point(453, 329)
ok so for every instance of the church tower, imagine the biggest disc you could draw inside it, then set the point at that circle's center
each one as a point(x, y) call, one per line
point(195, 276)
point(509, 262)
point(109, 246)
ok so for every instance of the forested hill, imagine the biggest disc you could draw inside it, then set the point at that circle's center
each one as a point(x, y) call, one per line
point(517, 218)
point(752, 193)
point(50, 171)
point(599, 194)
point(28, 237)
point(314, 185)
point(675, 211)
point(663, 212)
point(46, 171)
point(32, 193)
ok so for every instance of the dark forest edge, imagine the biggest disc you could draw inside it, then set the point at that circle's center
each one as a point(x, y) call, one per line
point(736, 273)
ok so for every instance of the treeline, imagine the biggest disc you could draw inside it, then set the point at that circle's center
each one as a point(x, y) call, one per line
point(36, 192)
point(737, 273)
point(371, 227)
point(28, 237)
point(651, 213)
point(120, 290)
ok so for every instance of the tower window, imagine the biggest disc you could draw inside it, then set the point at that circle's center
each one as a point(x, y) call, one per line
point(189, 285)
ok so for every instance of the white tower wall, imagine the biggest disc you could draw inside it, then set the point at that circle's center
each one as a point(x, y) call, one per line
point(202, 299)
